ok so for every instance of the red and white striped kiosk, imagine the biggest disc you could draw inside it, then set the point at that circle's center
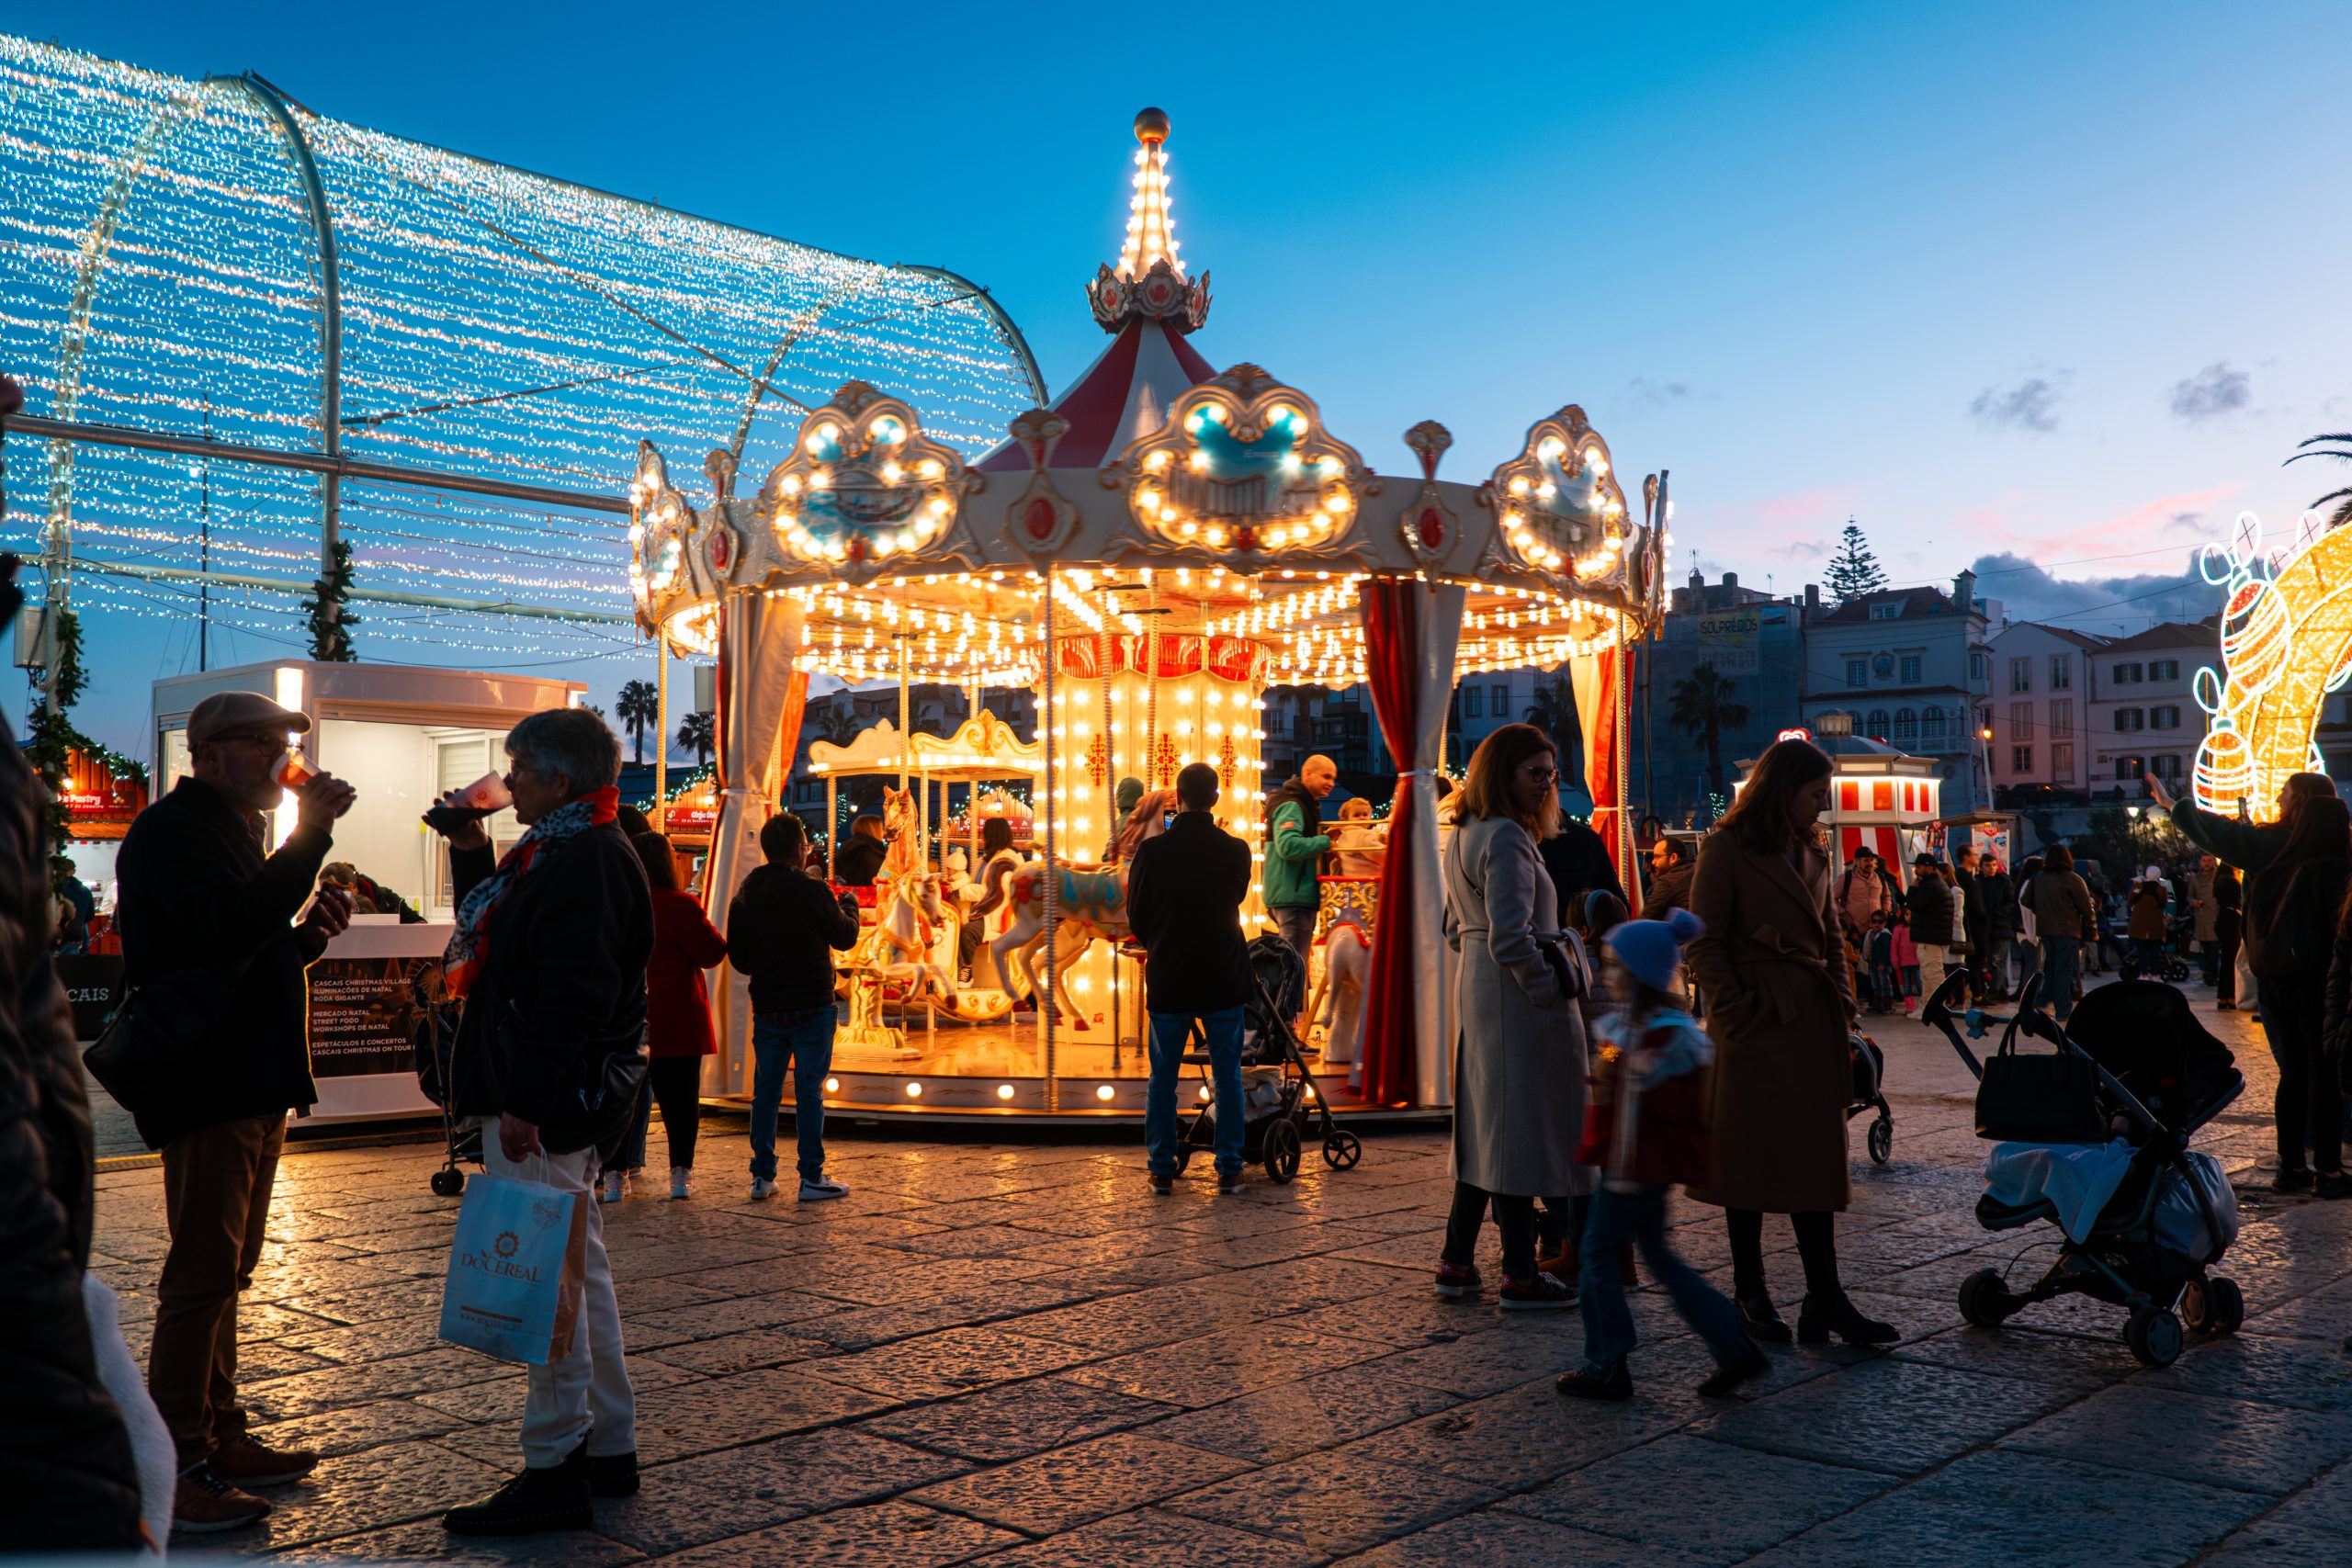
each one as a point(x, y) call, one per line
point(1879, 796)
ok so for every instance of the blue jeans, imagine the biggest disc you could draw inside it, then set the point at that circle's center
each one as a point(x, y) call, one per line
point(1222, 1031)
point(2059, 956)
point(806, 1041)
point(1608, 1335)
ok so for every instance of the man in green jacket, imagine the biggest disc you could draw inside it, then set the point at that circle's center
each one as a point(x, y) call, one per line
point(1296, 843)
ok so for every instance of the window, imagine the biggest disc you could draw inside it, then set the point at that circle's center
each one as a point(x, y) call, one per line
point(2020, 674)
point(2164, 670)
point(2167, 767)
point(2021, 721)
point(1907, 727)
point(2062, 671)
point(2127, 768)
point(1498, 701)
point(1910, 668)
point(1977, 664)
point(2020, 758)
point(2061, 720)
point(1471, 697)
point(1931, 726)
point(1877, 725)
point(2166, 717)
point(2062, 764)
point(1887, 610)
point(1858, 671)
point(2130, 719)
point(2127, 674)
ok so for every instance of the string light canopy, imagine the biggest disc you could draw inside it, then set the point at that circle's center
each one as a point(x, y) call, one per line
point(298, 308)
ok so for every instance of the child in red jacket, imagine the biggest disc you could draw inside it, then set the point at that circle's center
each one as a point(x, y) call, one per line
point(1646, 1126)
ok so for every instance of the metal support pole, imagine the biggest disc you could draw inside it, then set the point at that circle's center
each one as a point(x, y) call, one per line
point(662, 731)
point(1047, 1006)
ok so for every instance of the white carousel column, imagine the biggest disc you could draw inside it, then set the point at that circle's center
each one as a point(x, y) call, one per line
point(1433, 1020)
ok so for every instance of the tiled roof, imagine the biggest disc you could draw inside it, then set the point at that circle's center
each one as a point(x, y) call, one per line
point(2171, 634)
point(1914, 600)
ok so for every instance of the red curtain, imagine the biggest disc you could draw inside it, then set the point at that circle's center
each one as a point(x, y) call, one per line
point(1602, 766)
point(1392, 609)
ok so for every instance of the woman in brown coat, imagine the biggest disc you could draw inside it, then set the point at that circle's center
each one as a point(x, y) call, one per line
point(1780, 1004)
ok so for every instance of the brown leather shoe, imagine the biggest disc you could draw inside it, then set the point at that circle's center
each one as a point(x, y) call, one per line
point(206, 1505)
point(243, 1461)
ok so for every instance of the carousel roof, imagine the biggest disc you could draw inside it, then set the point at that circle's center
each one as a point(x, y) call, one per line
point(1123, 396)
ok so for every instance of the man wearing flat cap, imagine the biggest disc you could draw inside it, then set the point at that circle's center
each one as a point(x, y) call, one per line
point(201, 893)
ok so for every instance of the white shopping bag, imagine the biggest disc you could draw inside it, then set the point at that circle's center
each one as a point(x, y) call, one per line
point(517, 1270)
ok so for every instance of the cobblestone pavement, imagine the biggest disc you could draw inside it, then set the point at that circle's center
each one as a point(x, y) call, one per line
point(1012, 1353)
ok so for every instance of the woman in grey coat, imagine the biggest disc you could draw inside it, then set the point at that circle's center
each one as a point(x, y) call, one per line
point(1519, 1071)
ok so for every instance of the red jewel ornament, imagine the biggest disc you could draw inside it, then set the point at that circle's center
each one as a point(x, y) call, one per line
point(1432, 528)
point(1038, 518)
point(857, 547)
point(1245, 537)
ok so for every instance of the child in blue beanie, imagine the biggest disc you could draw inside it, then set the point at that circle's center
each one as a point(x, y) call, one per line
point(1646, 1126)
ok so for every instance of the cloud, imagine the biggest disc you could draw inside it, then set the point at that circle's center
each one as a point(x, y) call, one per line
point(2103, 605)
point(2196, 524)
point(2213, 391)
point(2031, 404)
point(1643, 393)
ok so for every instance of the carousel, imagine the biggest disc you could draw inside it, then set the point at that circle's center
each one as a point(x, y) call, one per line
point(1147, 556)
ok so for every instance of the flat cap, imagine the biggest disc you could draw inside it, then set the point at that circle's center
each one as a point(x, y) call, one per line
point(241, 713)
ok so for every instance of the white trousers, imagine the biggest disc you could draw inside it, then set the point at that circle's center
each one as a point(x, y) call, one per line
point(585, 1394)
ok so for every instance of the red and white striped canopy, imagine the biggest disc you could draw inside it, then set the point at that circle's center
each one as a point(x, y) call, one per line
point(1125, 394)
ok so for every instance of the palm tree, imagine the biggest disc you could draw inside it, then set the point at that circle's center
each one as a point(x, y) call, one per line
point(1703, 709)
point(2342, 453)
point(837, 726)
point(640, 708)
point(1553, 711)
point(699, 735)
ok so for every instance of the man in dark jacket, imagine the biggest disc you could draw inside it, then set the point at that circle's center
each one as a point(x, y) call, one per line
point(202, 906)
point(860, 858)
point(1577, 861)
point(1671, 870)
point(549, 955)
point(1972, 919)
point(1932, 904)
point(1184, 895)
point(1999, 896)
point(783, 929)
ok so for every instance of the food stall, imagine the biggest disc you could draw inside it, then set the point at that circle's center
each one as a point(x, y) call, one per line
point(102, 792)
point(401, 736)
point(1879, 796)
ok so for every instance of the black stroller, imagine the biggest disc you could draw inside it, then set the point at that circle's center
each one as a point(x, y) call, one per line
point(1283, 1107)
point(434, 1042)
point(2159, 1077)
point(1870, 1094)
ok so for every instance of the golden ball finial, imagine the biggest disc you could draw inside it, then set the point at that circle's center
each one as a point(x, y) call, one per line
point(1152, 127)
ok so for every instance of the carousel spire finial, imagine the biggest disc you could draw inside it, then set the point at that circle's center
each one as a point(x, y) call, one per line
point(1150, 279)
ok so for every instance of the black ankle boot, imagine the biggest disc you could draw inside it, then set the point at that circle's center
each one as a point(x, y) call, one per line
point(1824, 1315)
point(555, 1498)
point(1757, 1314)
point(613, 1475)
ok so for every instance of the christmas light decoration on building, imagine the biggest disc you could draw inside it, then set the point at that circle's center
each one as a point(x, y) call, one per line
point(2286, 644)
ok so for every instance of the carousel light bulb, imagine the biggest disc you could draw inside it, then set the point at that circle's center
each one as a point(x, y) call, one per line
point(1519, 485)
point(933, 469)
point(891, 473)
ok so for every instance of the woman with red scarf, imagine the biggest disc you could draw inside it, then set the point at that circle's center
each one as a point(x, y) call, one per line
point(549, 955)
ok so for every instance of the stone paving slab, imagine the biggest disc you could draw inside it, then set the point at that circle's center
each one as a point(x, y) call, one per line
point(1009, 1352)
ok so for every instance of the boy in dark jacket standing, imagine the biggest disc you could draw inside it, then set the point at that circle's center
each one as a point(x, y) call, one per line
point(1184, 895)
point(783, 929)
point(200, 895)
point(549, 955)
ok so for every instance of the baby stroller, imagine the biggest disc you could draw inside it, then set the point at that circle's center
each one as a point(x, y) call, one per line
point(1870, 1094)
point(1281, 1107)
point(434, 1043)
point(2144, 1218)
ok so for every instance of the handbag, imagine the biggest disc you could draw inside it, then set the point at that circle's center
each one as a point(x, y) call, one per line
point(2039, 1099)
point(151, 1053)
point(517, 1270)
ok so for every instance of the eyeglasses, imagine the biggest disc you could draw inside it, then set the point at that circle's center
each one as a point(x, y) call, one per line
point(1540, 774)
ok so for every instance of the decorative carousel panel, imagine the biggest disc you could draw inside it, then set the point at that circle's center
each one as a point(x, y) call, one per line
point(1561, 511)
point(1244, 467)
point(660, 525)
point(865, 489)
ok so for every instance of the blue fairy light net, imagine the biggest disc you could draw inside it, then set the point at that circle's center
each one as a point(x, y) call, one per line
point(493, 324)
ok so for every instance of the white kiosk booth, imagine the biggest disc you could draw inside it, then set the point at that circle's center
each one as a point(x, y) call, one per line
point(401, 735)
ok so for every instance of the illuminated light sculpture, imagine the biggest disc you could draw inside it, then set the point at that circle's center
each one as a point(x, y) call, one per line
point(2286, 644)
point(1146, 554)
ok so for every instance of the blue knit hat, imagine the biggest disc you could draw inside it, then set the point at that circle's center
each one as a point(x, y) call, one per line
point(1650, 949)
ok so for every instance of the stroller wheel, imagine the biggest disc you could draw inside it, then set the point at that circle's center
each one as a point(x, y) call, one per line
point(1984, 1301)
point(448, 1183)
point(2212, 1306)
point(1184, 1157)
point(1282, 1148)
point(1880, 1139)
point(2155, 1337)
point(1342, 1150)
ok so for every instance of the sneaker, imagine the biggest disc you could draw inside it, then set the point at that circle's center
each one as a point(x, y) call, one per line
point(1615, 1385)
point(612, 1188)
point(1230, 1181)
point(1162, 1184)
point(613, 1475)
point(1456, 1280)
point(203, 1504)
point(2291, 1179)
point(682, 1182)
point(763, 1188)
point(817, 1188)
point(1543, 1293)
point(555, 1498)
point(243, 1461)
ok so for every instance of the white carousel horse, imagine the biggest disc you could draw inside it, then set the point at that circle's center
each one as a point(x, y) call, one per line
point(1350, 905)
point(1089, 906)
point(910, 948)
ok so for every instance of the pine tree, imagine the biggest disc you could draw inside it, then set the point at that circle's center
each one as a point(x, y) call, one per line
point(1853, 570)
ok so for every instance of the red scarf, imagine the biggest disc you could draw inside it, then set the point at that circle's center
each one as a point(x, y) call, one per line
point(469, 948)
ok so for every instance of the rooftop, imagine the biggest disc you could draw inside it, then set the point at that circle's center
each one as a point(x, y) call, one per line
point(2170, 633)
point(1914, 602)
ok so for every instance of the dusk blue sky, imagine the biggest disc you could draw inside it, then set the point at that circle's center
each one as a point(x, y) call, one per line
point(2059, 282)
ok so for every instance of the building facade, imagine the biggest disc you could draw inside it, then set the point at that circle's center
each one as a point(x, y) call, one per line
point(1912, 666)
point(2143, 711)
point(2041, 686)
point(1755, 645)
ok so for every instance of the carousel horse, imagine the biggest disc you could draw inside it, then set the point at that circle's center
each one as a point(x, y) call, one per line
point(1089, 907)
point(908, 957)
point(1351, 904)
